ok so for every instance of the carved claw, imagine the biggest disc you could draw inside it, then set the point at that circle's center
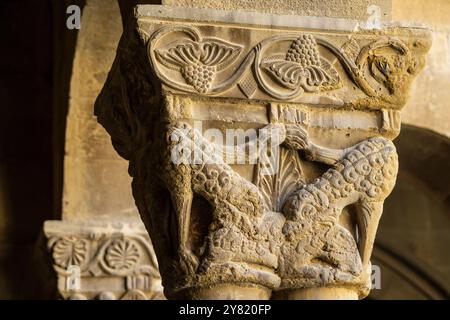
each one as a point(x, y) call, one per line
point(296, 137)
point(275, 132)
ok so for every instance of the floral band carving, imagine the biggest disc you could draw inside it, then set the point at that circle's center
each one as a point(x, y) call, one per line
point(381, 69)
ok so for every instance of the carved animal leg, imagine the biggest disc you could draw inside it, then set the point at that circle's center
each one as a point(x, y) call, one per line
point(182, 202)
point(341, 250)
point(368, 217)
point(324, 155)
point(297, 139)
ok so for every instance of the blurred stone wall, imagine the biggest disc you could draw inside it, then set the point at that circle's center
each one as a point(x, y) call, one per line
point(96, 180)
point(429, 105)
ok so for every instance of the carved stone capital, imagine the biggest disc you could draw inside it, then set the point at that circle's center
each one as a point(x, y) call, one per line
point(105, 261)
point(234, 220)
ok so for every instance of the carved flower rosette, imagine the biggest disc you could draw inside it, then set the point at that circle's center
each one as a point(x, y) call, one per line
point(70, 251)
point(121, 256)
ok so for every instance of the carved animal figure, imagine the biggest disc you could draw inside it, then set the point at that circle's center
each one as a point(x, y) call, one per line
point(241, 222)
point(318, 248)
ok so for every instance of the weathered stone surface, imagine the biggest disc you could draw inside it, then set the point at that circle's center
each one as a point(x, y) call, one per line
point(104, 261)
point(379, 68)
point(327, 102)
point(349, 9)
point(91, 168)
point(428, 106)
point(98, 207)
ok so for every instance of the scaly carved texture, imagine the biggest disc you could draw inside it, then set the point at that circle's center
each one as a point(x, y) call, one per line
point(318, 249)
point(242, 229)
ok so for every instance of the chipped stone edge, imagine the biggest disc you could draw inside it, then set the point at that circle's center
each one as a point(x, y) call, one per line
point(260, 19)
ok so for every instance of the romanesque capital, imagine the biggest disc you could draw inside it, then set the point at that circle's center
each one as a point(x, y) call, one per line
point(260, 148)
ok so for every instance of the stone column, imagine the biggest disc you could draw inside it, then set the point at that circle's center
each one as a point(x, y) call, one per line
point(99, 249)
point(259, 146)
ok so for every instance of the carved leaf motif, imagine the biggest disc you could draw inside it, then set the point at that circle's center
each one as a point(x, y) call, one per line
point(290, 176)
point(266, 185)
point(122, 255)
point(181, 55)
point(198, 62)
point(287, 73)
point(333, 80)
point(277, 187)
point(302, 66)
point(311, 78)
point(70, 251)
point(219, 53)
point(210, 52)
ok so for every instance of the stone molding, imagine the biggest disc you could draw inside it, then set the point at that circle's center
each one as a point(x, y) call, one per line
point(276, 64)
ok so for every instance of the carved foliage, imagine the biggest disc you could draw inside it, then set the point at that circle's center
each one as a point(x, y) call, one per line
point(382, 68)
point(351, 49)
point(303, 66)
point(288, 178)
point(246, 239)
point(199, 61)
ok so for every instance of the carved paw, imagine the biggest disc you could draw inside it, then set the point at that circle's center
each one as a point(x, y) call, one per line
point(296, 137)
point(275, 133)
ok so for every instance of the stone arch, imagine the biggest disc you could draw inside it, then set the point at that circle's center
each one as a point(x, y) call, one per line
point(412, 241)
